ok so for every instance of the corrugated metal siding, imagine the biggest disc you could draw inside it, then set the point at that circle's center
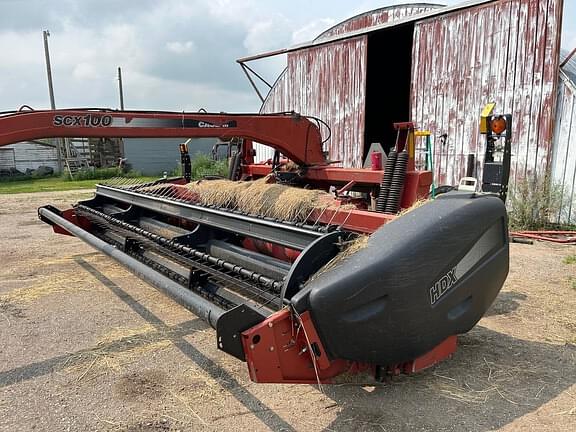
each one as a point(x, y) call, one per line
point(30, 155)
point(564, 153)
point(153, 156)
point(263, 152)
point(327, 82)
point(7, 158)
point(504, 52)
point(375, 17)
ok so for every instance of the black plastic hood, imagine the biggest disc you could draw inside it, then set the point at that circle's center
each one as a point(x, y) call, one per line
point(427, 275)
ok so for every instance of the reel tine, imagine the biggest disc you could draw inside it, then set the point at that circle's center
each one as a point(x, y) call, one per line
point(114, 182)
point(122, 183)
point(345, 219)
point(310, 214)
point(334, 215)
point(155, 191)
point(135, 183)
point(320, 216)
point(166, 193)
point(173, 195)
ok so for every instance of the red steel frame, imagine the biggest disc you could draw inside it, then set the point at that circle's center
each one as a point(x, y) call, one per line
point(285, 348)
point(295, 136)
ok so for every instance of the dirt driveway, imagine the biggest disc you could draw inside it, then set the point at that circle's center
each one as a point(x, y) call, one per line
point(85, 345)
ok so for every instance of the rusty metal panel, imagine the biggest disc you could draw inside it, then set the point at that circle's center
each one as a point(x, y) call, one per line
point(376, 17)
point(564, 153)
point(327, 82)
point(504, 52)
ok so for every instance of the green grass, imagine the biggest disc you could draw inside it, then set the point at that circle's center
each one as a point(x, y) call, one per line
point(50, 184)
point(100, 174)
point(570, 259)
point(202, 166)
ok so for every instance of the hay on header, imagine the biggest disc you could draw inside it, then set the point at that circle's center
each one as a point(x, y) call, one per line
point(261, 198)
point(220, 193)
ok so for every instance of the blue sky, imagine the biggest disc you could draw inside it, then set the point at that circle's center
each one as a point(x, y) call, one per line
point(175, 54)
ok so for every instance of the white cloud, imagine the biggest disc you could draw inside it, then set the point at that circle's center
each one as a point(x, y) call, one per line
point(21, 49)
point(150, 92)
point(234, 11)
point(85, 72)
point(311, 30)
point(151, 41)
point(267, 35)
point(570, 41)
point(178, 47)
point(158, 73)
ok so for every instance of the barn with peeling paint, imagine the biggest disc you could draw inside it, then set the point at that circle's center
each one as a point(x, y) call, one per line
point(438, 66)
point(564, 143)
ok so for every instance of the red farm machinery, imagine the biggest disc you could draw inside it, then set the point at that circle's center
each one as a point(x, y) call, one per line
point(306, 270)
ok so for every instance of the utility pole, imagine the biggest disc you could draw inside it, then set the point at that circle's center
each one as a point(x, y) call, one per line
point(121, 92)
point(120, 88)
point(49, 69)
point(46, 34)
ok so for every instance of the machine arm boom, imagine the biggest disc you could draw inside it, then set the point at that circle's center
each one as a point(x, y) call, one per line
point(294, 136)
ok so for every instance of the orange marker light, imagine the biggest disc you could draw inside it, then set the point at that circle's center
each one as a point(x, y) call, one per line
point(498, 125)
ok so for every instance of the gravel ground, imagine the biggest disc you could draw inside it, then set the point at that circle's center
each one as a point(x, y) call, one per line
point(85, 345)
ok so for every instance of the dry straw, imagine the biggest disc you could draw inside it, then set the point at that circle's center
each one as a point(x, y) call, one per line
point(349, 248)
point(417, 204)
point(261, 198)
point(359, 243)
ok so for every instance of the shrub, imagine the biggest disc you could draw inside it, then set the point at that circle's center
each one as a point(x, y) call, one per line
point(203, 165)
point(176, 172)
point(534, 202)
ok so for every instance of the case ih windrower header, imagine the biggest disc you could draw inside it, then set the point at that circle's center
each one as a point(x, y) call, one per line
point(302, 279)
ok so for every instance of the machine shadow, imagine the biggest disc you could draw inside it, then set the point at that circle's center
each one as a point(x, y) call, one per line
point(506, 302)
point(251, 402)
point(492, 380)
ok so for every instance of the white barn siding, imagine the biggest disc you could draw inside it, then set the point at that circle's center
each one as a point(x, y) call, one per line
point(564, 149)
point(28, 155)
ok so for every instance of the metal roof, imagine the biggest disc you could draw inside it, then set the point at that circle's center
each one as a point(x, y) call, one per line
point(570, 67)
point(412, 8)
point(408, 19)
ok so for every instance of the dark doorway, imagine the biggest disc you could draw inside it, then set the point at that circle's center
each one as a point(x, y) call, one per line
point(388, 79)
